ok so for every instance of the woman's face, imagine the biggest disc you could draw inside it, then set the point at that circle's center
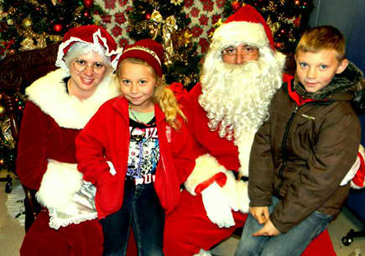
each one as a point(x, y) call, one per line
point(87, 71)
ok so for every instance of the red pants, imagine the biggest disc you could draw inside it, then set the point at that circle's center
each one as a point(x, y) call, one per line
point(188, 229)
point(84, 239)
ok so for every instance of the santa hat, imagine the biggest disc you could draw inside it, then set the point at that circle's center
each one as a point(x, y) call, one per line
point(246, 25)
point(96, 37)
point(148, 50)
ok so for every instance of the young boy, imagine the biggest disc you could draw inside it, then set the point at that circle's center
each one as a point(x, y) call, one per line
point(302, 153)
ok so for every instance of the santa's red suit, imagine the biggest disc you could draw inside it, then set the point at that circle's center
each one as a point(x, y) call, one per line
point(224, 111)
point(188, 229)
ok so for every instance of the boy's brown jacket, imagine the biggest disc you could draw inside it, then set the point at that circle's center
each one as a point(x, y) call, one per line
point(302, 152)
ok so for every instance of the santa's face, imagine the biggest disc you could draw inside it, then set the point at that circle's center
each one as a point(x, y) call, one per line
point(235, 95)
point(240, 54)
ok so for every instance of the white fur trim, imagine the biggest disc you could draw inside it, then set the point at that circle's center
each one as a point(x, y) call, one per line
point(206, 166)
point(237, 32)
point(59, 184)
point(244, 145)
point(68, 198)
point(203, 252)
point(102, 49)
point(49, 93)
point(362, 153)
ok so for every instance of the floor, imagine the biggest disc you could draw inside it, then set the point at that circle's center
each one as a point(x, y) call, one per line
point(12, 232)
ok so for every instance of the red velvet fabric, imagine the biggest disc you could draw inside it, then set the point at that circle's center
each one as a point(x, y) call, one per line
point(84, 239)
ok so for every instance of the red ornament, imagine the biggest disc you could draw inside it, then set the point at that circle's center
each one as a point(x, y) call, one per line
point(296, 22)
point(87, 13)
point(235, 5)
point(57, 28)
point(147, 16)
point(88, 3)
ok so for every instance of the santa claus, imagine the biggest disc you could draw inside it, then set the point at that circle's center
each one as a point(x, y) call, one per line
point(240, 75)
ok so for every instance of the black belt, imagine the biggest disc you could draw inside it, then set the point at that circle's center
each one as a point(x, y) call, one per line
point(243, 178)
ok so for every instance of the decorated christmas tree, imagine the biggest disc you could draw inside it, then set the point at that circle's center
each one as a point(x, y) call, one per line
point(167, 23)
point(33, 24)
point(286, 18)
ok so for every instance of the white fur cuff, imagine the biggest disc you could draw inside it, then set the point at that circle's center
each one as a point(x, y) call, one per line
point(59, 184)
point(206, 167)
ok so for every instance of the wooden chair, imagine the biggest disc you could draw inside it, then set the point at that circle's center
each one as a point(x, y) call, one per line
point(16, 73)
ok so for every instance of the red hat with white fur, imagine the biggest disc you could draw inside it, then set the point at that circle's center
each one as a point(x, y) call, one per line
point(96, 37)
point(246, 25)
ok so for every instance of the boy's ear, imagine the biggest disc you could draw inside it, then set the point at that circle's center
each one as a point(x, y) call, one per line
point(342, 66)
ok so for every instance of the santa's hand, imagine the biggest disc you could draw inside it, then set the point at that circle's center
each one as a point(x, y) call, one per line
point(217, 207)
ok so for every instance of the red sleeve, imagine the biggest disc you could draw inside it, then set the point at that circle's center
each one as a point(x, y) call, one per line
point(90, 149)
point(182, 152)
point(31, 162)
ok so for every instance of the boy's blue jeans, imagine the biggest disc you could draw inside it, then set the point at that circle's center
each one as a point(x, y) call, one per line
point(291, 243)
point(141, 209)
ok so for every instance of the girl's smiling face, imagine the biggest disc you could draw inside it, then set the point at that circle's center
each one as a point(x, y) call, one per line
point(137, 83)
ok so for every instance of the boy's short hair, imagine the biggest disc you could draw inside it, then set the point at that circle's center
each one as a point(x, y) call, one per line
point(321, 38)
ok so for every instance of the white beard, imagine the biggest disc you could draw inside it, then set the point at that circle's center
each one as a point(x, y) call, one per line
point(237, 97)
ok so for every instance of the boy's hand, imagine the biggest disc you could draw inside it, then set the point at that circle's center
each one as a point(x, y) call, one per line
point(268, 230)
point(260, 213)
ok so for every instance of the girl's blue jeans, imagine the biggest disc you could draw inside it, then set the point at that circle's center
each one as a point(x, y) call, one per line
point(142, 210)
point(291, 243)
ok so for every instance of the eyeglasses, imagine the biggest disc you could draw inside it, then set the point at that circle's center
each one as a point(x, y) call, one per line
point(246, 50)
point(80, 65)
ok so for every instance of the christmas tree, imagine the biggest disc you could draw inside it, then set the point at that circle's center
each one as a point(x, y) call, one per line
point(28, 25)
point(167, 23)
point(286, 18)
point(31, 24)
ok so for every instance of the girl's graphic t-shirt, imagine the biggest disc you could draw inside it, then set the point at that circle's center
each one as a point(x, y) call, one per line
point(144, 151)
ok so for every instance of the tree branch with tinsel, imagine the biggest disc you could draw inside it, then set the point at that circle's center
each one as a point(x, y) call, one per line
point(32, 24)
point(165, 22)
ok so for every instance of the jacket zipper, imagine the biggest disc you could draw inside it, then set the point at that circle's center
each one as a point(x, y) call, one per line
point(283, 151)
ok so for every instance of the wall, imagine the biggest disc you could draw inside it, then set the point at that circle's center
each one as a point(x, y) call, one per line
point(348, 16)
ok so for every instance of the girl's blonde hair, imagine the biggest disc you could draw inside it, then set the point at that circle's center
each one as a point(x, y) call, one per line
point(162, 96)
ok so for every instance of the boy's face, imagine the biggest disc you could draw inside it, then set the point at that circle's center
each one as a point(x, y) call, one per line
point(316, 70)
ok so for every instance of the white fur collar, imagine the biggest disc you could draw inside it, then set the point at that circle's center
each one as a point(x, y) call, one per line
point(49, 93)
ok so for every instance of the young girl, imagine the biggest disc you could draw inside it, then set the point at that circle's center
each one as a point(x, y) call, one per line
point(136, 150)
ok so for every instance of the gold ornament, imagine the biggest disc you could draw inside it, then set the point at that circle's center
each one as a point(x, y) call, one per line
point(169, 27)
point(27, 44)
point(182, 38)
point(272, 7)
point(177, 2)
point(273, 26)
point(6, 131)
point(2, 110)
point(27, 22)
point(54, 2)
point(10, 22)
